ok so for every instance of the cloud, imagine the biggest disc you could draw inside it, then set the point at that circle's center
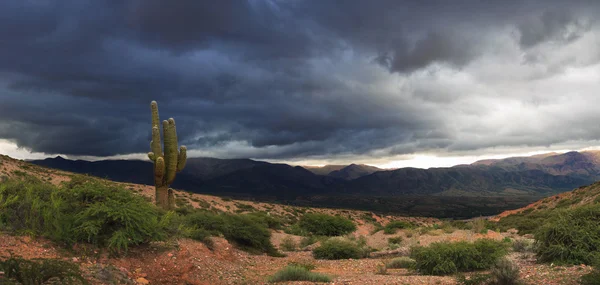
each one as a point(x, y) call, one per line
point(299, 80)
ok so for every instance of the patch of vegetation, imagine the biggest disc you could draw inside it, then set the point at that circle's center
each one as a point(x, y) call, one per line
point(41, 271)
point(526, 223)
point(571, 236)
point(244, 208)
point(452, 257)
point(340, 248)
point(298, 273)
point(522, 245)
point(393, 226)
point(244, 231)
point(306, 241)
point(504, 272)
point(288, 244)
point(307, 265)
point(82, 210)
point(401, 262)
point(326, 225)
point(395, 240)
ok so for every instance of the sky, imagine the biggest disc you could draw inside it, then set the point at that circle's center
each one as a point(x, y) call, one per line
point(387, 83)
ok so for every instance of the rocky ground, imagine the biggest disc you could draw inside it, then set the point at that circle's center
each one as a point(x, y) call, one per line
point(189, 262)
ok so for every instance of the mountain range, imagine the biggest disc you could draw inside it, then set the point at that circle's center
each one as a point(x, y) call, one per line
point(533, 176)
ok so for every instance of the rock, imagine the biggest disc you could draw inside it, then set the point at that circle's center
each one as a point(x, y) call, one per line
point(142, 280)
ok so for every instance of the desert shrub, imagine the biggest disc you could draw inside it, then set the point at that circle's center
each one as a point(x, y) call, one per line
point(504, 272)
point(242, 230)
point(381, 269)
point(306, 241)
point(266, 219)
point(522, 245)
point(288, 244)
point(338, 248)
point(326, 225)
point(41, 271)
point(298, 273)
point(393, 226)
point(82, 210)
point(395, 240)
point(447, 258)
point(401, 262)
point(572, 237)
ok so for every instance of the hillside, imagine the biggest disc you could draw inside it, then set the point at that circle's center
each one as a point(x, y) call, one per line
point(187, 261)
point(580, 197)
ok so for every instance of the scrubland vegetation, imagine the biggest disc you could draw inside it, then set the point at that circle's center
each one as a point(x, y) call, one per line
point(108, 217)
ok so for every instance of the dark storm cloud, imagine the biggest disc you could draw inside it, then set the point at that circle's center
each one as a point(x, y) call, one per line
point(282, 79)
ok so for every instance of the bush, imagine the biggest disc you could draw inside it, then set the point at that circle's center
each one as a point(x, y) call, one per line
point(393, 226)
point(326, 225)
point(505, 272)
point(82, 210)
point(522, 245)
point(243, 231)
point(288, 244)
point(447, 258)
point(401, 262)
point(572, 237)
point(338, 248)
point(41, 271)
point(298, 273)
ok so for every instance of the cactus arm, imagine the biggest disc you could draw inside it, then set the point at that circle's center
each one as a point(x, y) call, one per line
point(159, 171)
point(171, 152)
point(182, 159)
point(155, 146)
point(151, 156)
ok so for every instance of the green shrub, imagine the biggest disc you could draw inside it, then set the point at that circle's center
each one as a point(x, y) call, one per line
point(338, 248)
point(572, 237)
point(326, 225)
point(266, 219)
point(288, 244)
point(298, 273)
point(401, 262)
point(242, 230)
point(393, 226)
point(82, 210)
point(447, 258)
point(41, 271)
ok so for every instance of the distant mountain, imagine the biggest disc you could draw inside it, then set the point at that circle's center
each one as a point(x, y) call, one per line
point(354, 171)
point(324, 170)
point(536, 175)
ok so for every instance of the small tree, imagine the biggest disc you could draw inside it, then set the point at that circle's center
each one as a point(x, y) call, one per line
point(167, 163)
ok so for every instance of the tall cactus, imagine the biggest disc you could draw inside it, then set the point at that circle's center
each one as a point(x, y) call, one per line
point(167, 163)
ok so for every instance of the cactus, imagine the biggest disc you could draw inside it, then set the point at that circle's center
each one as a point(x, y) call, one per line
point(166, 163)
